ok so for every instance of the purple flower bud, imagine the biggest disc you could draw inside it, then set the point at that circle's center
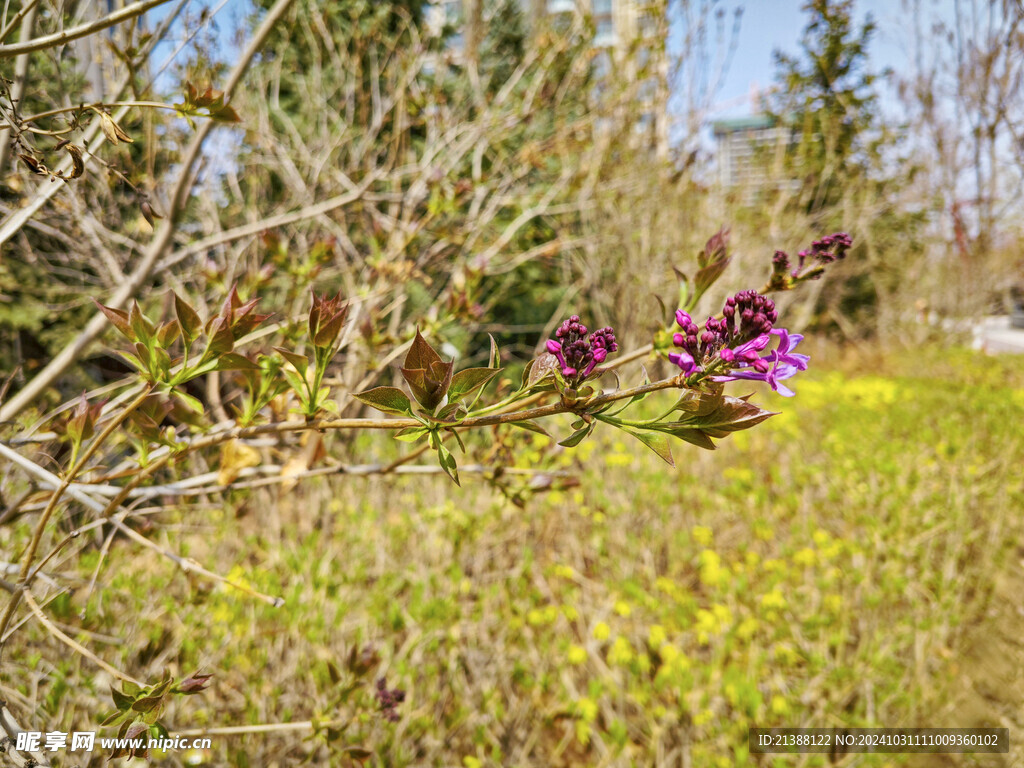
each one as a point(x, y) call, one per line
point(578, 354)
point(604, 338)
point(683, 319)
point(677, 339)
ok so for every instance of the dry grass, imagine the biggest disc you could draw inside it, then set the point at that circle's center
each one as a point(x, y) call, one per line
point(831, 568)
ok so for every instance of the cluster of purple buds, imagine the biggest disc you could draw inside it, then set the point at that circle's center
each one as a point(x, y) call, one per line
point(577, 353)
point(737, 341)
point(389, 700)
point(827, 250)
point(745, 317)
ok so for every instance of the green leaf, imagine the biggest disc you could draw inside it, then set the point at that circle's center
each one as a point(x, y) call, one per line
point(467, 381)
point(495, 357)
point(458, 439)
point(235, 362)
point(447, 462)
point(577, 437)
point(141, 327)
point(410, 434)
point(421, 355)
point(386, 399)
point(192, 403)
point(188, 319)
point(147, 704)
point(121, 701)
point(656, 441)
point(297, 383)
point(133, 361)
point(530, 426)
point(118, 717)
point(707, 276)
point(222, 340)
point(167, 333)
point(118, 318)
point(451, 412)
point(633, 399)
point(684, 294)
point(143, 354)
point(695, 437)
point(163, 362)
point(718, 414)
point(301, 362)
point(541, 368)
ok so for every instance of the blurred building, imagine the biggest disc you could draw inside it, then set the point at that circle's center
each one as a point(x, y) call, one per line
point(629, 38)
point(749, 151)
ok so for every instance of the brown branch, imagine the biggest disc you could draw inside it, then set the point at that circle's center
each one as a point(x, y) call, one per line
point(82, 30)
point(25, 578)
point(74, 645)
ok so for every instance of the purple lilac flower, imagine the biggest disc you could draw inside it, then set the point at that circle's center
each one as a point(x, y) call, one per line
point(827, 250)
point(746, 317)
point(731, 347)
point(577, 353)
point(781, 363)
point(389, 700)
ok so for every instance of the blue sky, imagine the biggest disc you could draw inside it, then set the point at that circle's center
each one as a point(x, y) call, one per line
point(768, 25)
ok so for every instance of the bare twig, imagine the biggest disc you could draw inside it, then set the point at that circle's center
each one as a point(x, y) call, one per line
point(83, 30)
point(74, 645)
point(9, 729)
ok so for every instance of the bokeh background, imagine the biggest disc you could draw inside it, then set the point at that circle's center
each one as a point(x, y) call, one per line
point(476, 167)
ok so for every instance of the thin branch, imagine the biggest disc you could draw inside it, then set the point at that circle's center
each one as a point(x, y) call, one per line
point(25, 578)
point(28, 7)
point(75, 646)
point(82, 30)
point(10, 728)
point(238, 730)
point(92, 137)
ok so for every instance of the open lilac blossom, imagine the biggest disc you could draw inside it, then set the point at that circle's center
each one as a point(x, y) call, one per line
point(746, 317)
point(780, 363)
point(730, 348)
point(578, 354)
